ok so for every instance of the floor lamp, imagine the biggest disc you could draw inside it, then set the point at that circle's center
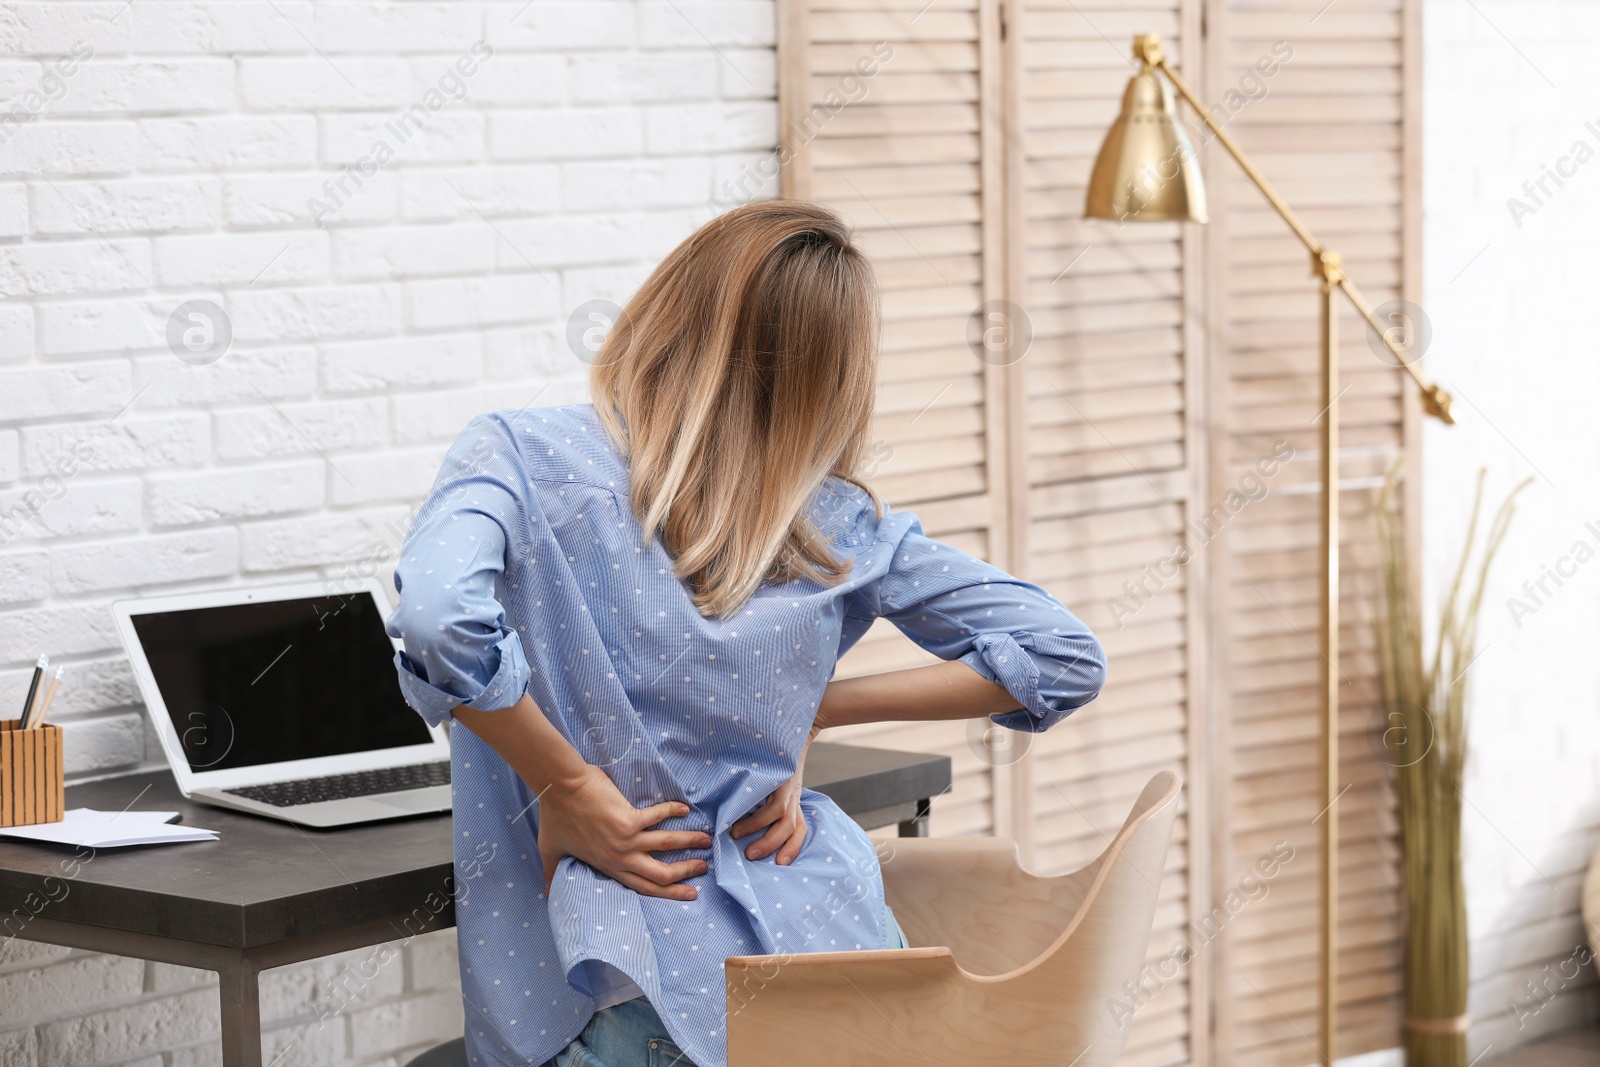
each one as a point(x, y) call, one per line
point(1147, 172)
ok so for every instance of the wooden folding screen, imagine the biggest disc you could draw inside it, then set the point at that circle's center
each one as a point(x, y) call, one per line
point(957, 136)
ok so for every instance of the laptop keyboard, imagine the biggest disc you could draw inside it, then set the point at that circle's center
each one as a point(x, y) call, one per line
point(343, 786)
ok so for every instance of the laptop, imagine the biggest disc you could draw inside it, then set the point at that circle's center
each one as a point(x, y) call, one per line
point(284, 702)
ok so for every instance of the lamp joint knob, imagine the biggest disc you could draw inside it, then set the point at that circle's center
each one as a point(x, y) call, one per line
point(1437, 402)
point(1147, 47)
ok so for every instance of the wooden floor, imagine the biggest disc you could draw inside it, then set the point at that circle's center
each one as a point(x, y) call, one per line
point(1576, 1048)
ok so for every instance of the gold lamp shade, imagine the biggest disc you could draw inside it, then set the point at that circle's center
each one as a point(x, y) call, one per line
point(1146, 170)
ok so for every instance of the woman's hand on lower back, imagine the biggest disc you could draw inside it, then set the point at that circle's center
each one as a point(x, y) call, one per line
point(780, 816)
point(581, 811)
point(784, 822)
point(589, 819)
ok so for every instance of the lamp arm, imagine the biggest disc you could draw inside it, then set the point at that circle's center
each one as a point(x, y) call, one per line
point(1312, 244)
point(1435, 401)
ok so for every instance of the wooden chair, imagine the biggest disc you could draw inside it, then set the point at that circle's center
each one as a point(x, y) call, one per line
point(1020, 970)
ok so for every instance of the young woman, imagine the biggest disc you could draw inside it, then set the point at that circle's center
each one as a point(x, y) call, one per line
point(635, 609)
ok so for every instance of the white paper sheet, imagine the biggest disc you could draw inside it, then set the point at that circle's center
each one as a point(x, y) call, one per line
point(111, 829)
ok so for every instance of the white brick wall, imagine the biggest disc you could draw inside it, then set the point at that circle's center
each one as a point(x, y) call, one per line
point(177, 164)
point(378, 1005)
point(1514, 322)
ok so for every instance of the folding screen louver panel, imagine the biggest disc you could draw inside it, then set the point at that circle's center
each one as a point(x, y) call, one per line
point(1330, 132)
point(903, 161)
point(1108, 473)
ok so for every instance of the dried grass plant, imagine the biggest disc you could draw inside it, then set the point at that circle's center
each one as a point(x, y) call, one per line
point(1425, 702)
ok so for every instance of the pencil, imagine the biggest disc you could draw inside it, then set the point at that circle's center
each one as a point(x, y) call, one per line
point(33, 688)
point(49, 695)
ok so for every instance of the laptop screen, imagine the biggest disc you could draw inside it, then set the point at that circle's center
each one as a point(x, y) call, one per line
point(248, 684)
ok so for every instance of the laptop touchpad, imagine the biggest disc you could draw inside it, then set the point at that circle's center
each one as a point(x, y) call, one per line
point(414, 800)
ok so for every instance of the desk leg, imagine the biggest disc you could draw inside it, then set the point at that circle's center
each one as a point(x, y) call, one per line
point(917, 825)
point(238, 970)
point(241, 1013)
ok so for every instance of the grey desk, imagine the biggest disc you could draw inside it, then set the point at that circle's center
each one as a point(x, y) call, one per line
point(269, 894)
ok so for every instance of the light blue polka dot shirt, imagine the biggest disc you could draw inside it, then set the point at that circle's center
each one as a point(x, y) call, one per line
point(525, 570)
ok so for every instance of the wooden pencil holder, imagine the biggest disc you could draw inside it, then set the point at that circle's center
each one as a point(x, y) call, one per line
point(32, 785)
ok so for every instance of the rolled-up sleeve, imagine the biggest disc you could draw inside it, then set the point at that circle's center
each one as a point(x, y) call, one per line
point(458, 647)
point(1010, 631)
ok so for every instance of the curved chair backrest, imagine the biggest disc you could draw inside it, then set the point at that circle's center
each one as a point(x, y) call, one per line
point(1024, 970)
point(1105, 945)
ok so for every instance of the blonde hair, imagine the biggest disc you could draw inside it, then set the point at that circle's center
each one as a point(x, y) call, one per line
point(739, 377)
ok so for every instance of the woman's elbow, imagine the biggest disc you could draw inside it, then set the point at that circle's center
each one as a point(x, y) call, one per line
point(422, 643)
point(428, 626)
point(1095, 661)
point(1081, 672)
point(1094, 654)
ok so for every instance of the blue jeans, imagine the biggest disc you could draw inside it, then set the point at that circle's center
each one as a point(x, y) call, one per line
point(629, 1034)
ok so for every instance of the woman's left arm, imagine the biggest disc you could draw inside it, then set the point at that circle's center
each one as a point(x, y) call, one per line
point(1007, 649)
point(939, 691)
point(945, 690)
point(1010, 650)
